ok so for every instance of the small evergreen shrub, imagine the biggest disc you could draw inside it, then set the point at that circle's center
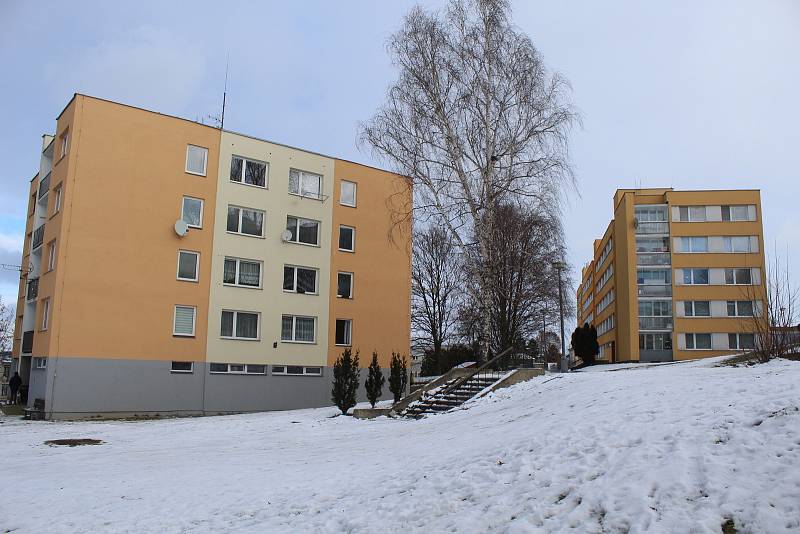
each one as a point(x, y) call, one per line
point(375, 381)
point(398, 376)
point(345, 381)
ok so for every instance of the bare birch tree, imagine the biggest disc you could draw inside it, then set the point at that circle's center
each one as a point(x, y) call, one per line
point(474, 119)
point(6, 326)
point(435, 289)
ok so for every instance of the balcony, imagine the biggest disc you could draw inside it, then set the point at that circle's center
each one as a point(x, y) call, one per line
point(654, 290)
point(27, 342)
point(44, 186)
point(652, 228)
point(38, 238)
point(655, 323)
point(652, 258)
point(33, 289)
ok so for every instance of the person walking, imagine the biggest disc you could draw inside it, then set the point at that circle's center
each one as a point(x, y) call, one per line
point(13, 385)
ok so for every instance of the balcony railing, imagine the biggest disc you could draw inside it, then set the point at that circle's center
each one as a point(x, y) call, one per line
point(33, 289)
point(650, 258)
point(44, 186)
point(27, 342)
point(652, 228)
point(38, 238)
point(655, 323)
point(653, 290)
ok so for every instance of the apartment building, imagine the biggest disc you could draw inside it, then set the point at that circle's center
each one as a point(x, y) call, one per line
point(176, 268)
point(677, 275)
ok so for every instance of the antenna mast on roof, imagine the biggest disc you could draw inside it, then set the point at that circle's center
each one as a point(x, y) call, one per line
point(224, 93)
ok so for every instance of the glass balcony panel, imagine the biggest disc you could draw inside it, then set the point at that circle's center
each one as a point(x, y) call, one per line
point(652, 259)
point(652, 228)
point(653, 290)
point(655, 323)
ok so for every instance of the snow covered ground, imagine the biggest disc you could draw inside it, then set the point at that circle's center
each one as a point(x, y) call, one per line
point(671, 448)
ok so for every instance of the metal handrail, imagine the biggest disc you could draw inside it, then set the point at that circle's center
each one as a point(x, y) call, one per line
point(462, 380)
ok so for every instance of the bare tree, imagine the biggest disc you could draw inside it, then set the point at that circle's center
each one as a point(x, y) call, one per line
point(6, 326)
point(435, 289)
point(475, 119)
point(776, 313)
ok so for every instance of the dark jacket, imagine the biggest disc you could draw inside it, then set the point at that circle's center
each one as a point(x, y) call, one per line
point(15, 382)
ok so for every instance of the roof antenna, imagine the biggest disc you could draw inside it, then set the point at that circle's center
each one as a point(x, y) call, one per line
point(224, 92)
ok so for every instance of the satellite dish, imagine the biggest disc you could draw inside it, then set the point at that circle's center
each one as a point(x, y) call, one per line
point(286, 235)
point(181, 227)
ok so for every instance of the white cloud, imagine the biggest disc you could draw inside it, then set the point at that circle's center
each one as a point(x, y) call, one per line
point(11, 243)
point(146, 66)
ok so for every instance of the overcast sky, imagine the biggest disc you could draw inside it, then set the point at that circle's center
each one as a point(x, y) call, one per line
point(688, 94)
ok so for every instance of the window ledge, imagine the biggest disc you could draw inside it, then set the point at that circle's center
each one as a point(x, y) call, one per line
point(316, 294)
point(264, 187)
point(228, 338)
point(301, 243)
point(241, 286)
point(346, 250)
point(298, 342)
point(245, 235)
point(196, 173)
point(318, 198)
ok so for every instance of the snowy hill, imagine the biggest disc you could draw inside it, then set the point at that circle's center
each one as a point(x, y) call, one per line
point(670, 448)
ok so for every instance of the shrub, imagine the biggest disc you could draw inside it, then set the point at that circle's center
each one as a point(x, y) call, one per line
point(398, 376)
point(375, 381)
point(345, 381)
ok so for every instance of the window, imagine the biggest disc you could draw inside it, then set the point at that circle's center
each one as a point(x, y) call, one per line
point(64, 144)
point(697, 308)
point(737, 244)
point(609, 246)
point(738, 277)
point(51, 255)
point(238, 368)
point(303, 231)
point(653, 276)
point(245, 221)
point(695, 276)
point(188, 263)
point(45, 313)
point(735, 213)
point(182, 367)
point(297, 329)
point(692, 213)
point(296, 370)
point(605, 277)
point(694, 244)
point(248, 171)
point(184, 321)
point(299, 279)
point(741, 341)
point(655, 308)
point(604, 302)
point(344, 331)
point(192, 212)
point(740, 308)
point(239, 325)
point(196, 159)
point(655, 341)
point(40, 363)
point(57, 199)
point(344, 285)
point(347, 237)
point(652, 244)
point(651, 213)
point(606, 325)
point(348, 194)
point(305, 184)
point(245, 273)
point(698, 341)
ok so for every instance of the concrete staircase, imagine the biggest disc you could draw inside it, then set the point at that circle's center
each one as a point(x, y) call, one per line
point(447, 398)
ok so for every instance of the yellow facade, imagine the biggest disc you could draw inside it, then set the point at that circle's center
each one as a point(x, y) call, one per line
point(688, 272)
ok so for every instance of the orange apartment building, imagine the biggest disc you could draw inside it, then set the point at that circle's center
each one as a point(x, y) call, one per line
point(176, 268)
point(677, 275)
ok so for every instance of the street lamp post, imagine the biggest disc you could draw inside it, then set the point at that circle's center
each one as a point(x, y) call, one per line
point(559, 266)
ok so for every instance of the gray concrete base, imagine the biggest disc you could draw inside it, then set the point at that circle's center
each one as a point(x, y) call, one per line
point(78, 388)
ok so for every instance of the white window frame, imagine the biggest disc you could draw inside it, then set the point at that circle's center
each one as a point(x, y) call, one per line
point(687, 244)
point(57, 198)
point(294, 329)
point(694, 340)
point(241, 181)
point(40, 363)
point(45, 314)
point(245, 366)
point(739, 340)
point(205, 160)
point(183, 210)
point(355, 193)
point(196, 266)
point(294, 284)
point(349, 331)
point(735, 281)
point(297, 232)
point(689, 217)
point(302, 174)
point(194, 320)
point(691, 271)
point(352, 241)
point(233, 325)
point(184, 371)
point(51, 255)
point(693, 305)
point(352, 279)
point(239, 225)
point(236, 272)
point(730, 209)
point(284, 370)
point(736, 304)
point(64, 143)
point(728, 243)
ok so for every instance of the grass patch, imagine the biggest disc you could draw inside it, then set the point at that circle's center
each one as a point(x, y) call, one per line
point(728, 527)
